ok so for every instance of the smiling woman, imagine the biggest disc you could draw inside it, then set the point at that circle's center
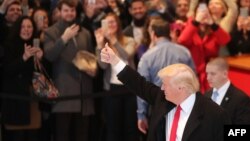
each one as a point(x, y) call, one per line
point(224, 12)
point(26, 29)
point(217, 8)
point(18, 68)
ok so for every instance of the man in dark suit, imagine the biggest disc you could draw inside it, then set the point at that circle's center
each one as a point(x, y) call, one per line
point(199, 119)
point(225, 94)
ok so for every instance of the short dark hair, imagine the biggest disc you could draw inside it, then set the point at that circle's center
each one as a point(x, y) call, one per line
point(69, 3)
point(161, 28)
point(133, 1)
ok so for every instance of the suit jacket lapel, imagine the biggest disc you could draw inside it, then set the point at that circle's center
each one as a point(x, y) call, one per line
point(163, 107)
point(162, 119)
point(194, 118)
point(227, 96)
point(209, 93)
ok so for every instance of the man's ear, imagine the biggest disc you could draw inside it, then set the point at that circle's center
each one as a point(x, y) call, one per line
point(225, 73)
point(153, 34)
point(182, 88)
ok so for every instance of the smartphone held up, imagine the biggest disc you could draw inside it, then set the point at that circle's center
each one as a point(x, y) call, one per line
point(244, 12)
point(104, 25)
point(202, 7)
point(36, 42)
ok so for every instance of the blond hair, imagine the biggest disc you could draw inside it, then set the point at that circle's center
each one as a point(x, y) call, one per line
point(181, 75)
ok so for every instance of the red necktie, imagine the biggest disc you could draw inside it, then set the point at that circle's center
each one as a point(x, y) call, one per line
point(175, 123)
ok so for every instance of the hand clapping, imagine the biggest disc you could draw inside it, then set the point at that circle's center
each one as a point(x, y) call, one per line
point(30, 51)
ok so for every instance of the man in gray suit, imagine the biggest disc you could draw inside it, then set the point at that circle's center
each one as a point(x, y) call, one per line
point(225, 94)
point(62, 41)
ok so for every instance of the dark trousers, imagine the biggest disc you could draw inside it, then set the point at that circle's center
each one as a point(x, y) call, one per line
point(97, 122)
point(46, 132)
point(71, 127)
point(120, 115)
point(21, 135)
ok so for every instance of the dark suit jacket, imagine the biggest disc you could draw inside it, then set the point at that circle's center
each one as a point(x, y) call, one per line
point(236, 103)
point(204, 124)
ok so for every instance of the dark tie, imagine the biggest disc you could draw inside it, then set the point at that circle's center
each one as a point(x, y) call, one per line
point(175, 123)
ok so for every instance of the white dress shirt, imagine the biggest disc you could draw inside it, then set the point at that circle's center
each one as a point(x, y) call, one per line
point(113, 78)
point(119, 67)
point(186, 108)
point(222, 92)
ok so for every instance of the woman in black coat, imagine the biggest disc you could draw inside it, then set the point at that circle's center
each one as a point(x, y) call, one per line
point(18, 68)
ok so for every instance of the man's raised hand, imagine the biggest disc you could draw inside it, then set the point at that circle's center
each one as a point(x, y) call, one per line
point(109, 56)
point(70, 32)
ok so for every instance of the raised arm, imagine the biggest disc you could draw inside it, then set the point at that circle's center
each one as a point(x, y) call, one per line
point(192, 6)
point(231, 16)
point(131, 78)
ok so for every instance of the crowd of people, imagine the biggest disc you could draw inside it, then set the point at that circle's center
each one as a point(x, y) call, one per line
point(176, 46)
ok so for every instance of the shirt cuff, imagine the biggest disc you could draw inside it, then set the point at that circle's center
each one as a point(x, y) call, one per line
point(141, 116)
point(119, 67)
